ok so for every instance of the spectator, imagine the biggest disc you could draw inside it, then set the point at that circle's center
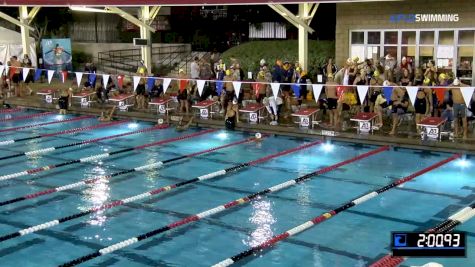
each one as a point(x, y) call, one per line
point(182, 97)
point(110, 87)
point(261, 86)
point(380, 104)
point(232, 114)
point(273, 105)
point(195, 69)
point(277, 72)
point(389, 65)
point(406, 78)
point(100, 91)
point(303, 81)
point(459, 108)
point(157, 90)
point(374, 90)
point(400, 103)
point(431, 72)
point(16, 68)
point(219, 69)
point(228, 93)
point(63, 102)
point(332, 101)
point(26, 63)
point(418, 77)
point(329, 69)
point(421, 107)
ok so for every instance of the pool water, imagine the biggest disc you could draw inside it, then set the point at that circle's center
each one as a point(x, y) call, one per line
point(356, 237)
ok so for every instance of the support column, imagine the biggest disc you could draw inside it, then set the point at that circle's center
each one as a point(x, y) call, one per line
point(25, 34)
point(146, 51)
point(304, 10)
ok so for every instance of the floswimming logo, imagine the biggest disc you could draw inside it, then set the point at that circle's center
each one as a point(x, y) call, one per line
point(418, 18)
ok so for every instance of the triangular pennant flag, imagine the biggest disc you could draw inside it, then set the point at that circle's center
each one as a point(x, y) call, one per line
point(79, 78)
point(26, 71)
point(237, 88)
point(92, 79)
point(467, 93)
point(1, 69)
point(166, 83)
point(219, 87)
point(7, 68)
point(120, 81)
point(296, 89)
point(150, 83)
point(50, 75)
point(387, 91)
point(362, 91)
point(275, 89)
point(412, 92)
point(64, 75)
point(317, 90)
point(37, 74)
point(136, 82)
point(201, 86)
point(105, 79)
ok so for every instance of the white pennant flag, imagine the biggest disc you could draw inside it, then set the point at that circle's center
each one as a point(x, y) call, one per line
point(412, 92)
point(136, 82)
point(26, 71)
point(105, 79)
point(6, 70)
point(317, 89)
point(1, 69)
point(467, 93)
point(166, 83)
point(275, 89)
point(362, 91)
point(79, 78)
point(201, 86)
point(237, 88)
point(50, 75)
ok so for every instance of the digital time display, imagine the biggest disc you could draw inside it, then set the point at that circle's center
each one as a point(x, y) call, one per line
point(411, 244)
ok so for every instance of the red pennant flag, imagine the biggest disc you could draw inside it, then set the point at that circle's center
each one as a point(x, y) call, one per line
point(65, 75)
point(120, 80)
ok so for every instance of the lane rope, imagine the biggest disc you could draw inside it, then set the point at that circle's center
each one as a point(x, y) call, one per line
point(156, 165)
point(50, 149)
point(100, 156)
point(44, 123)
point(448, 225)
point(64, 132)
point(10, 110)
point(302, 227)
point(113, 204)
point(30, 116)
point(214, 210)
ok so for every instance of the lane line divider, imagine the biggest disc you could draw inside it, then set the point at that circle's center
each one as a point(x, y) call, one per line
point(159, 164)
point(101, 156)
point(113, 204)
point(10, 110)
point(302, 227)
point(210, 212)
point(44, 123)
point(97, 178)
point(448, 225)
point(64, 132)
point(50, 149)
point(30, 116)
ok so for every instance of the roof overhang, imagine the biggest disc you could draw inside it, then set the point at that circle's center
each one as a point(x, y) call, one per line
point(166, 2)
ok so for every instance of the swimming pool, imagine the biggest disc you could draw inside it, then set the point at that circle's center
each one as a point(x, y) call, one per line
point(356, 237)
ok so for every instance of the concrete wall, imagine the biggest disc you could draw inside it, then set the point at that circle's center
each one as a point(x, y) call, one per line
point(376, 15)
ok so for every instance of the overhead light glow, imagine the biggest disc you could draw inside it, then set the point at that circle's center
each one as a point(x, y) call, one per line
point(133, 125)
point(89, 9)
point(222, 136)
point(59, 117)
point(463, 163)
point(328, 147)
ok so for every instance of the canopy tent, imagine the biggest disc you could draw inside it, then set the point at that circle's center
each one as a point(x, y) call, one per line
point(10, 45)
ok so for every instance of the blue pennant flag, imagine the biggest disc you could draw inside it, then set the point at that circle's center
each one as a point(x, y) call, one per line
point(91, 79)
point(387, 91)
point(296, 88)
point(150, 83)
point(219, 87)
point(37, 74)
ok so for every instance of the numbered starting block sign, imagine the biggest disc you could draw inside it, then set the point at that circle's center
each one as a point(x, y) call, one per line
point(84, 102)
point(49, 99)
point(304, 121)
point(364, 126)
point(253, 117)
point(432, 132)
point(204, 113)
point(162, 109)
point(122, 106)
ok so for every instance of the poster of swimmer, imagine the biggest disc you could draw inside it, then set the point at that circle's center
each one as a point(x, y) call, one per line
point(57, 54)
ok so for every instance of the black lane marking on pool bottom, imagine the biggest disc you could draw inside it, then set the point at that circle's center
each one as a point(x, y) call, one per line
point(330, 214)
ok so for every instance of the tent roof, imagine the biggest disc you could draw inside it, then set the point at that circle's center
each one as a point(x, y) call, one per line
point(8, 36)
point(165, 2)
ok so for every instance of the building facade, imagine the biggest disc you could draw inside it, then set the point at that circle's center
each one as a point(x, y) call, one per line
point(421, 30)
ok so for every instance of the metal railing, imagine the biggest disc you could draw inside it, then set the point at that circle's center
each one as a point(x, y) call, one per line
point(128, 60)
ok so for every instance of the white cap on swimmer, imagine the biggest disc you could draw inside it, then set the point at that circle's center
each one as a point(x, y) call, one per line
point(258, 135)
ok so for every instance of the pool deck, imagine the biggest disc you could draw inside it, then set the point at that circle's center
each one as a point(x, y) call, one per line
point(459, 146)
